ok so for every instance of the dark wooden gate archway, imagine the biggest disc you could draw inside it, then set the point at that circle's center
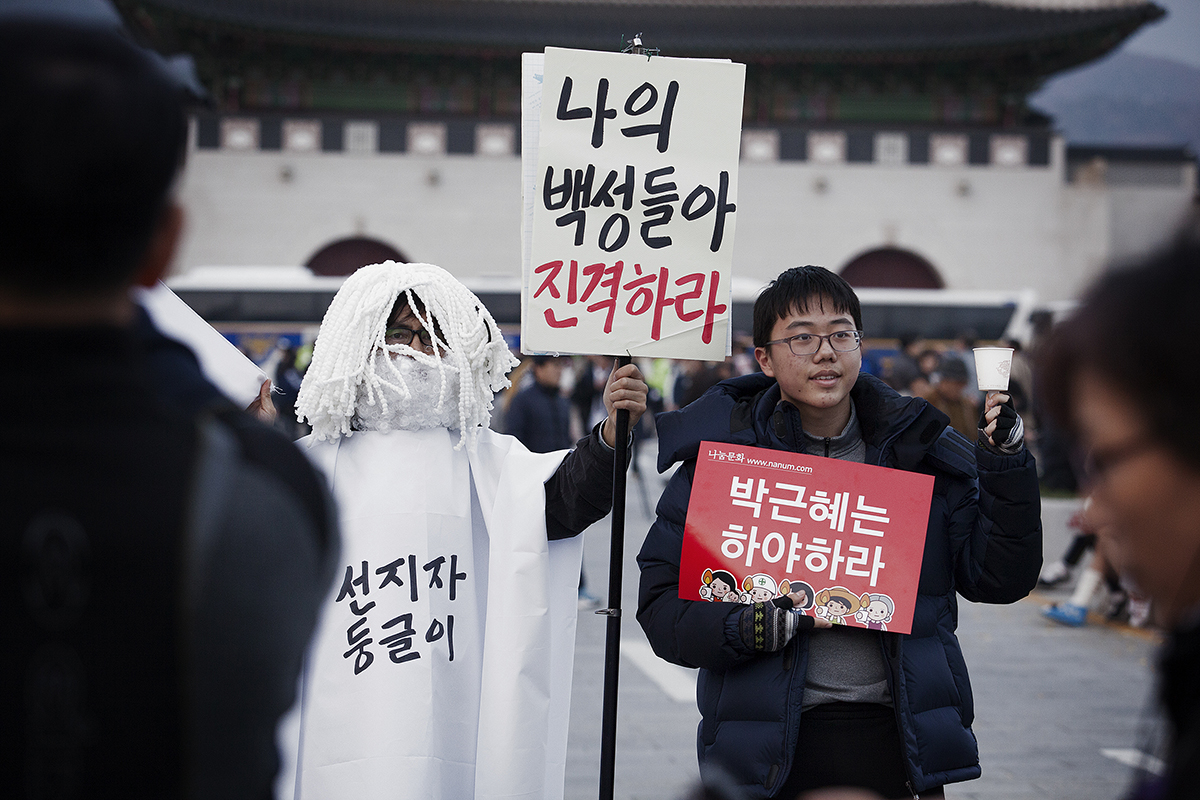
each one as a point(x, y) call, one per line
point(891, 268)
point(346, 255)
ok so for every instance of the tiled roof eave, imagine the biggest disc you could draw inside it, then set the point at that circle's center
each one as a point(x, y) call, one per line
point(793, 33)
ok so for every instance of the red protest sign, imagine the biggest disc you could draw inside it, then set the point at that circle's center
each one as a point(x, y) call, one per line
point(762, 523)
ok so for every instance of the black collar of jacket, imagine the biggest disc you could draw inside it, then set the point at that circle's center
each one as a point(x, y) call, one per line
point(736, 411)
point(907, 426)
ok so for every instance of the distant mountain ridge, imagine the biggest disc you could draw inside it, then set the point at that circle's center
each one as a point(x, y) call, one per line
point(1126, 99)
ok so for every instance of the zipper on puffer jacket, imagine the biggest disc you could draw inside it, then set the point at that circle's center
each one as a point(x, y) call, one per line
point(891, 648)
point(790, 651)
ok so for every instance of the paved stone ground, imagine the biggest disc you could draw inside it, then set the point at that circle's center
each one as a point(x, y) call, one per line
point(1049, 700)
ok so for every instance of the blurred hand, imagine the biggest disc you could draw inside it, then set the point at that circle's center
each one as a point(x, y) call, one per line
point(262, 408)
point(626, 391)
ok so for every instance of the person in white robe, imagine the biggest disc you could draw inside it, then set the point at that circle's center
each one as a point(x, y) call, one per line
point(441, 667)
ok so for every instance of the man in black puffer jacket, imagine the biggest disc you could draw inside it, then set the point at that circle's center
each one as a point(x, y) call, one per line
point(843, 706)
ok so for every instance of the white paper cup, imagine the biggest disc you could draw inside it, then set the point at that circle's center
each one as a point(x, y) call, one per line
point(992, 365)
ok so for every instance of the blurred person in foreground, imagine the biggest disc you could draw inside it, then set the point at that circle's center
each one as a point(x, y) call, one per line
point(443, 666)
point(161, 561)
point(788, 706)
point(1122, 376)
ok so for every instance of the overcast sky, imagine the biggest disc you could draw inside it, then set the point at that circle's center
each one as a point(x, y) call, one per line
point(1176, 36)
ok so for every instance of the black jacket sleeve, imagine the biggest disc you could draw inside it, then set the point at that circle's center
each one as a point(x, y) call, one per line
point(691, 633)
point(1003, 525)
point(579, 493)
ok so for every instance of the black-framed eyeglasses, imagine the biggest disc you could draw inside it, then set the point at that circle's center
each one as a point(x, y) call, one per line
point(805, 344)
point(403, 335)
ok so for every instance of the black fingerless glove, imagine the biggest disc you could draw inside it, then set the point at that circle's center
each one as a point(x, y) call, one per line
point(1009, 436)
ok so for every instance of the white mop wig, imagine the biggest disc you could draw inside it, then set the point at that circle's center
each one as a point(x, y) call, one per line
point(351, 348)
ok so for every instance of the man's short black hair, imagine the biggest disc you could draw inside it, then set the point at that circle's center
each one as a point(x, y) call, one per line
point(792, 292)
point(92, 135)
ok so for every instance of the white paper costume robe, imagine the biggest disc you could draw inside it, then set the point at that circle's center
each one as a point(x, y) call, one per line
point(412, 723)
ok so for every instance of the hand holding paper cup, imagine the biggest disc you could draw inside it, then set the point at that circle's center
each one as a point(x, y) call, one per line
point(992, 366)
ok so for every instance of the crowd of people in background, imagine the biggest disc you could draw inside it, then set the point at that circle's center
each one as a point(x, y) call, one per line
point(938, 370)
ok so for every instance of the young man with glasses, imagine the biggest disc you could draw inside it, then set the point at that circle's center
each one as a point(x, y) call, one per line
point(806, 707)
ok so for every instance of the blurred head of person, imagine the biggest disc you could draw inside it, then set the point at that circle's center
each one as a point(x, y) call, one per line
point(92, 137)
point(950, 379)
point(404, 347)
point(547, 371)
point(911, 344)
point(928, 361)
point(1123, 375)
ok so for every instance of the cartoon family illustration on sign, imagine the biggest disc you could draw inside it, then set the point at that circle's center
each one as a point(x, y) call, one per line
point(836, 604)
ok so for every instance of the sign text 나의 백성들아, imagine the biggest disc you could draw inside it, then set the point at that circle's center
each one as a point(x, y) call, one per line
point(632, 207)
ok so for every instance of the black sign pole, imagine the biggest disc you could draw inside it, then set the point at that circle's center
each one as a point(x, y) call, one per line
point(612, 642)
point(616, 562)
